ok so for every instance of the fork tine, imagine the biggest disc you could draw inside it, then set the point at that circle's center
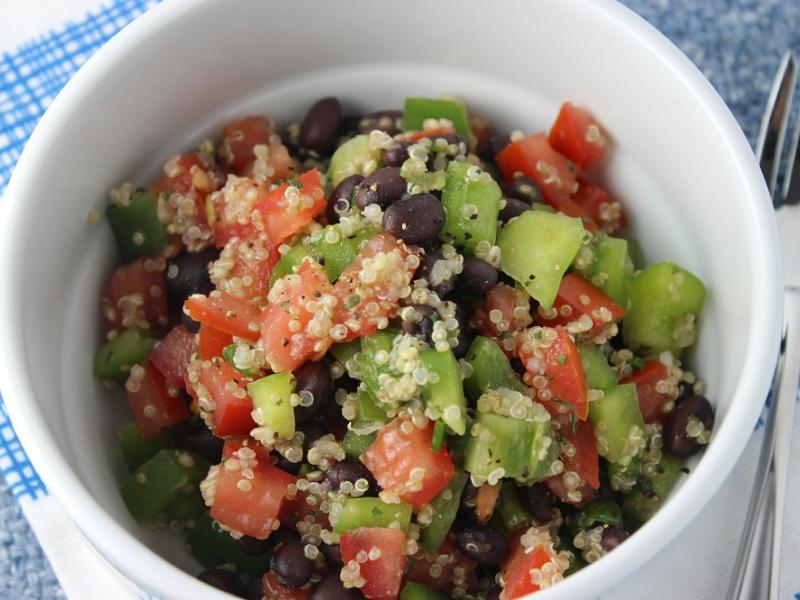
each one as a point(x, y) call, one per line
point(791, 178)
point(776, 119)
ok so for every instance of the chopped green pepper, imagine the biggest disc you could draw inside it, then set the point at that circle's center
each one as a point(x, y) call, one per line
point(288, 262)
point(417, 591)
point(643, 502)
point(471, 202)
point(372, 512)
point(352, 157)
point(115, 358)
point(136, 448)
point(599, 375)
point(598, 512)
point(613, 268)
point(271, 395)
point(417, 110)
point(137, 228)
point(510, 509)
point(228, 352)
point(618, 424)
point(446, 394)
point(354, 444)
point(445, 507)
point(334, 250)
point(491, 369)
point(214, 547)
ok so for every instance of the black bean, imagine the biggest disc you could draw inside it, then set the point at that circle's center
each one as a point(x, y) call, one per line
point(383, 187)
point(313, 378)
point(443, 286)
point(312, 431)
point(187, 274)
point(494, 593)
point(517, 365)
point(496, 144)
point(319, 128)
point(333, 556)
point(332, 588)
point(390, 121)
point(538, 500)
point(291, 565)
point(483, 544)
point(524, 188)
point(465, 339)
point(415, 219)
point(255, 589)
point(422, 328)
point(222, 579)
point(285, 464)
point(342, 197)
point(349, 470)
point(613, 537)
point(513, 208)
point(396, 154)
point(689, 413)
point(477, 277)
point(196, 437)
point(254, 546)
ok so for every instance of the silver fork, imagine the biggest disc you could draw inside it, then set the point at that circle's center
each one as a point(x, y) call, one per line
point(758, 559)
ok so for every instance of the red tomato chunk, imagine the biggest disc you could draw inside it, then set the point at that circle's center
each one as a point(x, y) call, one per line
point(577, 135)
point(655, 389)
point(374, 557)
point(173, 354)
point(223, 387)
point(154, 405)
point(226, 313)
point(579, 301)
point(138, 295)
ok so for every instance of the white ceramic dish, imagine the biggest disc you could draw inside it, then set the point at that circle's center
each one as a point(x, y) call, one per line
point(679, 163)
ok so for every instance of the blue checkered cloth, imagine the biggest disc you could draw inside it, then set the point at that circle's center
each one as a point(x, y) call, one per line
point(737, 44)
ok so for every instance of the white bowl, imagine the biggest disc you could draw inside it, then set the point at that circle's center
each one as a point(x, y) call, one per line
point(679, 163)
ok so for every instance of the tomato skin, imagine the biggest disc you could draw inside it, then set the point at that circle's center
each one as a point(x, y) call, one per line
point(138, 292)
point(582, 298)
point(275, 591)
point(254, 509)
point(516, 571)
point(651, 401)
point(285, 348)
point(211, 342)
point(238, 138)
point(553, 173)
point(382, 292)
point(560, 364)
point(281, 219)
point(173, 354)
point(226, 313)
point(395, 453)
point(382, 577)
point(233, 208)
point(231, 414)
point(244, 268)
point(603, 209)
point(514, 306)
point(571, 136)
point(586, 461)
point(151, 402)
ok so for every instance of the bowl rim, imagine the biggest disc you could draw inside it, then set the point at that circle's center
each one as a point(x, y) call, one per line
point(148, 568)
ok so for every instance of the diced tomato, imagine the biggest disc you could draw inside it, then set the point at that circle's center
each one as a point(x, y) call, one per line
point(514, 311)
point(173, 354)
point(232, 403)
point(211, 342)
point(192, 176)
point(250, 508)
point(298, 509)
point(585, 461)
point(604, 210)
point(275, 591)
point(232, 446)
point(577, 298)
point(382, 575)
point(233, 209)
point(284, 211)
point(239, 138)
point(554, 173)
point(466, 579)
point(138, 295)
point(648, 380)
point(244, 268)
point(153, 405)
point(400, 459)
point(287, 331)
point(365, 304)
point(551, 353)
point(226, 313)
point(577, 135)
point(517, 569)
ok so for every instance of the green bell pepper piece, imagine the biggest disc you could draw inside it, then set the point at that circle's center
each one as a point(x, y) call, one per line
point(334, 256)
point(187, 507)
point(115, 358)
point(510, 509)
point(445, 507)
point(598, 512)
point(354, 444)
point(372, 347)
point(618, 424)
point(537, 248)
point(447, 394)
point(491, 369)
point(623, 478)
point(288, 262)
point(137, 449)
point(439, 434)
point(271, 396)
point(599, 374)
point(613, 268)
point(212, 547)
point(417, 591)
point(227, 354)
point(137, 228)
point(352, 157)
point(368, 409)
point(372, 512)
point(471, 208)
point(644, 501)
point(416, 110)
point(152, 488)
point(665, 301)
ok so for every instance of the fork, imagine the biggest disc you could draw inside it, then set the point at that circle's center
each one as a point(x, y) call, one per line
point(758, 558)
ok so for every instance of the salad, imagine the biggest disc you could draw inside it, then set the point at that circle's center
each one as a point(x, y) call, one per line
point(395, 356)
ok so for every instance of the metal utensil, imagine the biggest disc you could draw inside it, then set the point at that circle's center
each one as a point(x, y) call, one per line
point(759, 562)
